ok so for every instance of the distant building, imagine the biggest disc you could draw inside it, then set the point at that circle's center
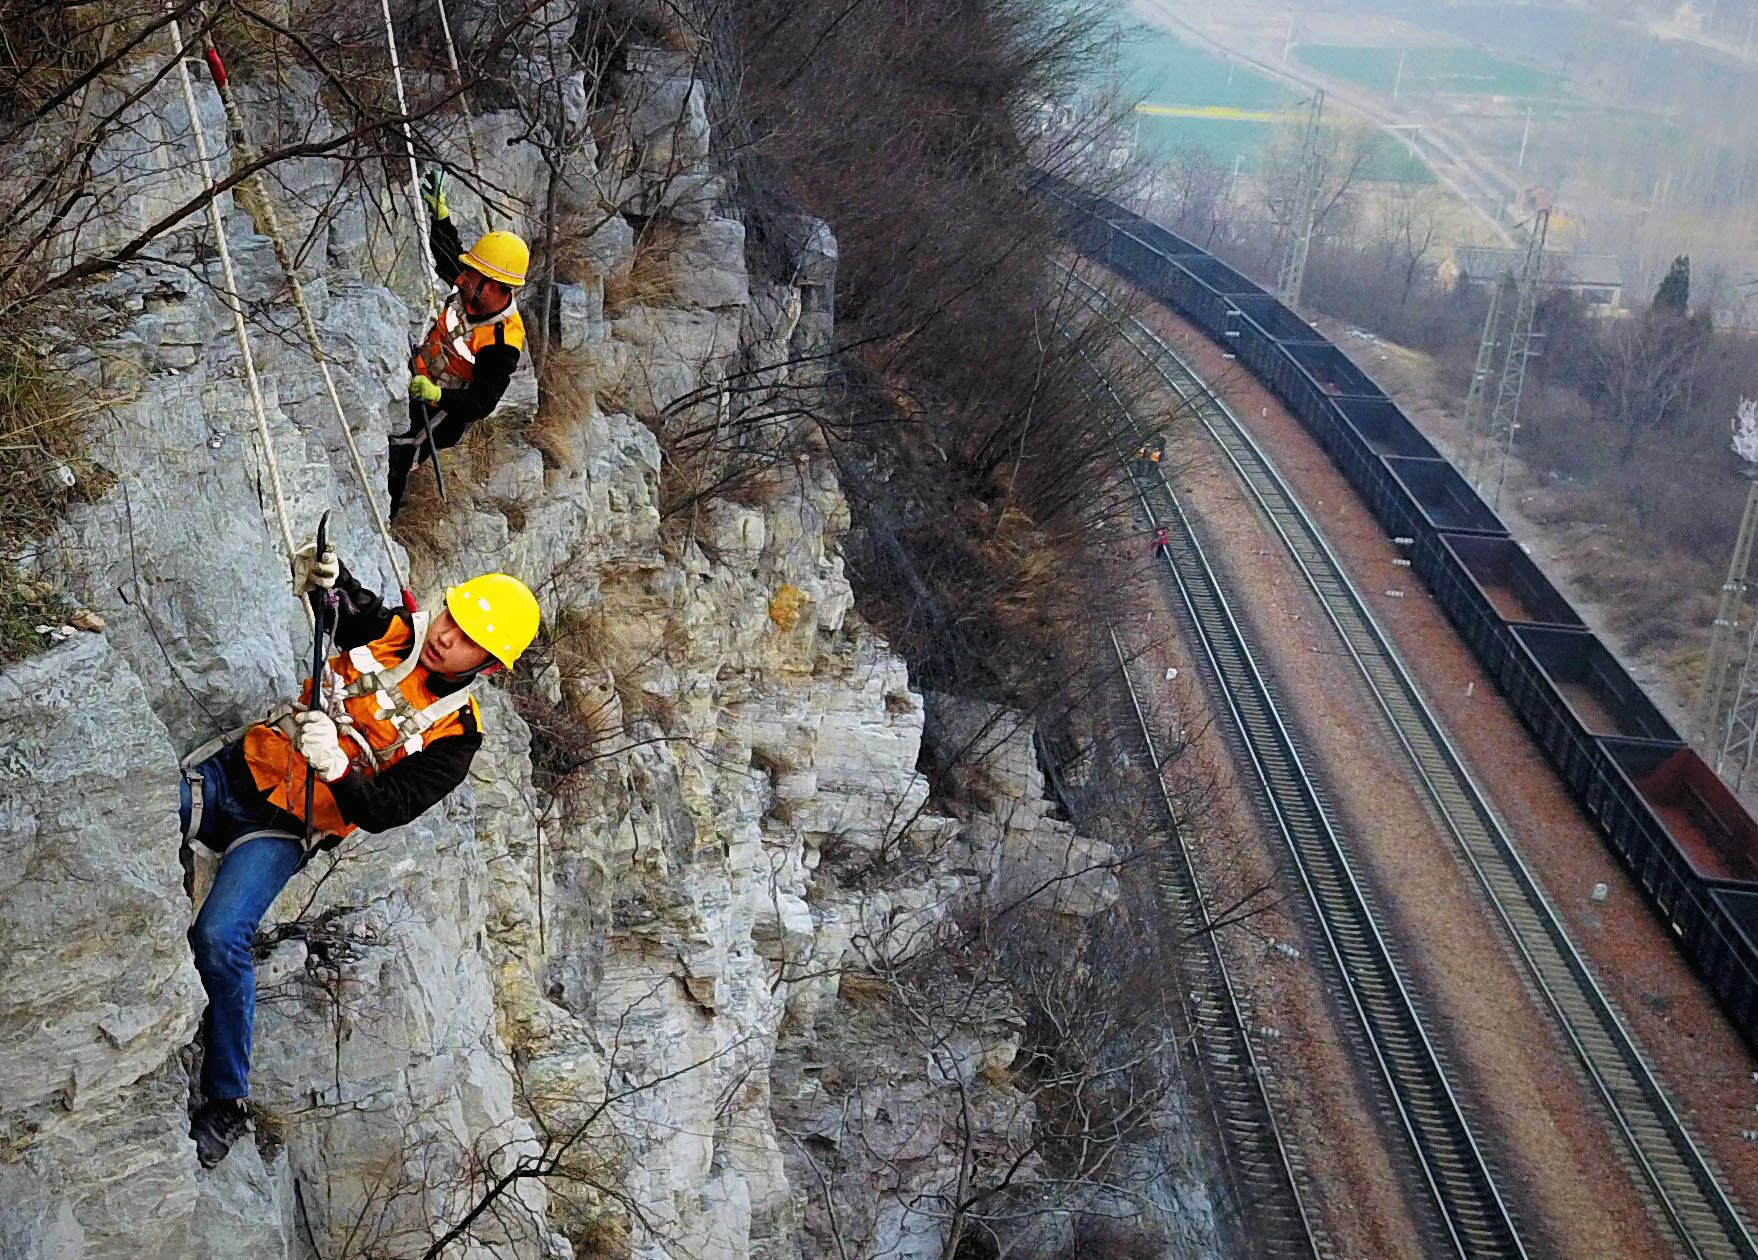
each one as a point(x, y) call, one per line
point(1598, 278)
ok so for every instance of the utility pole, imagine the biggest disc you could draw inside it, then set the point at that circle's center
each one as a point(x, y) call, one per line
point(1727, 704)
point(1504, 419)
point(1291, 276)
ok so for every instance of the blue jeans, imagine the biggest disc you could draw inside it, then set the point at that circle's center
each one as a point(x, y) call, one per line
point(251, 876)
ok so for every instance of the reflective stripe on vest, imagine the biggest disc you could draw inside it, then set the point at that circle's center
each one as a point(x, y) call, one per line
point(447, 355)
point(391, 712)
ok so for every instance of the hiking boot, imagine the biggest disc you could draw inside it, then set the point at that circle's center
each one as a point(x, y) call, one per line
point(217, 1125)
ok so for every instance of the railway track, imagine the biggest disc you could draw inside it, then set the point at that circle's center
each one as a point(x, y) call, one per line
point(1265, 1179)
point(1470, 1218)
point(1684, 1191)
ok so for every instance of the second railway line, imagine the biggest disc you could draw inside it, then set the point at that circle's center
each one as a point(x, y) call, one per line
point(1468, 1214)
point(1683, 1190)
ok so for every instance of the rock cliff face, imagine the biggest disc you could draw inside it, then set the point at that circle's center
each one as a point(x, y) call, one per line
point(600, 989)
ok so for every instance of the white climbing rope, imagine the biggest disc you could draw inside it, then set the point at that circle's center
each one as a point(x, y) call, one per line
point(463, 101)
point(262, 205)
point(417, 218)
point(244, 152)
point(234, 303)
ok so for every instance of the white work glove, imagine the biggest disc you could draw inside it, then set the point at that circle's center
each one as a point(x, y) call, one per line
point(313, 572)
point(317, 742)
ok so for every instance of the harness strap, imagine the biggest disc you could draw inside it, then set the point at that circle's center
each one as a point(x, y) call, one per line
point(321, 840)
point(274, 717)
point(457, 327)
point(195, 782)
point(415, 725)
point(278, 834)
point(201, 752)
point(379, 678)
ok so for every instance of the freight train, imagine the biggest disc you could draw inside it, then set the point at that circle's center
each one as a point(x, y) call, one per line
point(1684, 837)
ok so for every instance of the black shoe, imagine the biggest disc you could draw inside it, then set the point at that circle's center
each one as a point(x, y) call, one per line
point(216, 1126)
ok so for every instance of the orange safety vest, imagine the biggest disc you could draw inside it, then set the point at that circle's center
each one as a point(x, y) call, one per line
point(447, 355)
point(386, 690)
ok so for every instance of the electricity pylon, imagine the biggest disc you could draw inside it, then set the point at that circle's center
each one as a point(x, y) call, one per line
point(1291, 276)
point(1504, 418)
point(1727, 703)
point(1476, 421)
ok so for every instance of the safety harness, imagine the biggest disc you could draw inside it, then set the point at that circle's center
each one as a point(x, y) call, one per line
point(447, 355)
point(383, 683)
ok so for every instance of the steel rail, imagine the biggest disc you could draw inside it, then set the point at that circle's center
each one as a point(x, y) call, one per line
point(1265, 1172)
point(1471, 1218)
point(1683, 1188)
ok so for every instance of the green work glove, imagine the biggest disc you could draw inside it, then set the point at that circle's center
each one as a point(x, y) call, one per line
point(424, 389)
point(433, 192)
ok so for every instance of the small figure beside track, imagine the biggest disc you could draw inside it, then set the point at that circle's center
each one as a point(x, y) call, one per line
point(395, 734)
point(461, 367)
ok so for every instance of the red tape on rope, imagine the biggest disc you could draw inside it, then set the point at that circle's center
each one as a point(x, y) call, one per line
point(216, 67)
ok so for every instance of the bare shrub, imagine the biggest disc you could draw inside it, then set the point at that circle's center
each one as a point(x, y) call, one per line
point(961, 434)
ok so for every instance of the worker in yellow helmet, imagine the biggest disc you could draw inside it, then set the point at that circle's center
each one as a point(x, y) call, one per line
point(395, 736)
point(461, 367)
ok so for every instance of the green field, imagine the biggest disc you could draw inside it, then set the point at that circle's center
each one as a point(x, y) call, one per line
point(1188, 93)
point(1153, 66)
point(1223, 138)
point(1432, 71)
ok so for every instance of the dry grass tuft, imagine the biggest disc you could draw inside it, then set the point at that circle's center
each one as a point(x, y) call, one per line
point(47, 47)
point(565, 401)
point(44, 467)
point(649, 279)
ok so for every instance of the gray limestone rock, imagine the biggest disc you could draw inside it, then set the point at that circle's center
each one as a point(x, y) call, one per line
point(36, 1223)
point(88, 822)
point(672, 352)
point(665, 108)
point(582, 313)
point(987, 753)
point(708, 266)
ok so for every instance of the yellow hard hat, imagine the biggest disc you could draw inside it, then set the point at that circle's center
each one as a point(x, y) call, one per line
point(498, 612)
point(499, 256)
